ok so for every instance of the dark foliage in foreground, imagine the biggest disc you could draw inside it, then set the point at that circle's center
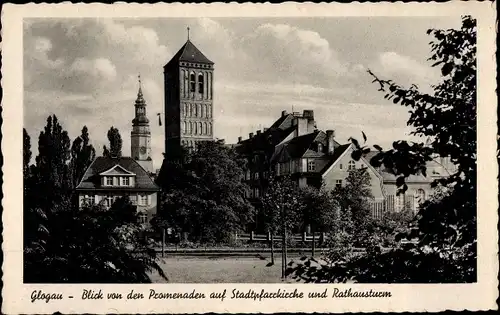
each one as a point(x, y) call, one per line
point(445, 228)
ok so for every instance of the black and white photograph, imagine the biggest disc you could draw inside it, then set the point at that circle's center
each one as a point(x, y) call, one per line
point(250, 150)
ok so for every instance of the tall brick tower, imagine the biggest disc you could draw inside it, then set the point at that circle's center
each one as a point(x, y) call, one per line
point(188, 84)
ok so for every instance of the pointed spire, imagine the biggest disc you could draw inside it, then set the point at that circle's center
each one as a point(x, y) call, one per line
point(140, 85)
point(188, 32)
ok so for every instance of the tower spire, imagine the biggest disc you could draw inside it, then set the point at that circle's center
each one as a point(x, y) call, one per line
point(140, 84)
point(188, 31)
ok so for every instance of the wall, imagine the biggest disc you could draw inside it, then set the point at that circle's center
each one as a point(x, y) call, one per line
point(337, 173)
point(151, 209)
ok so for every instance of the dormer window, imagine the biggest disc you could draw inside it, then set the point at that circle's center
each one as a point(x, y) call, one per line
point(117, 176)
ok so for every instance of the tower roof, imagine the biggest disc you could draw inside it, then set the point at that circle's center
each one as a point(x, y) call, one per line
point(189, 53)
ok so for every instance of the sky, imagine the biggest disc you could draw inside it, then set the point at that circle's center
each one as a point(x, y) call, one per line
point(85, 72)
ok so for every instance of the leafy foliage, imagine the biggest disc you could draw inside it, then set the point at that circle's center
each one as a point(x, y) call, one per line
point(82, 155)
point(203, 194)
point(92, 245)
point(115, 144)
point(281, 204)
point(445, 227)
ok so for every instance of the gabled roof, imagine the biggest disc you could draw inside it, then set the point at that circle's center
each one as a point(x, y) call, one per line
point(189, 53)
point(298, 146)
point(117, 170)
point(92, 178)
point(337, 154)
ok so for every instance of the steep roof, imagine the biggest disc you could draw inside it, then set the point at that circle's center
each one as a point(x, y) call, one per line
point(298, 146)
point(91, 178)
point(434, 170)
point(189, 53)
point(337, 153)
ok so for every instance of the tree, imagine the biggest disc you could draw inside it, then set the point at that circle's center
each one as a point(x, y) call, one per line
point(115, 143)
point(92, 245)
point(355, 197)
point(280, 207)
point(52, 175)
point(204, 193)
point(26, 151)
point(445, 228)
point(318, 211)
point(82, 155)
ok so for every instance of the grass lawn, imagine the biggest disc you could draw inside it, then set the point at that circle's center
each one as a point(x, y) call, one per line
point(220, 270)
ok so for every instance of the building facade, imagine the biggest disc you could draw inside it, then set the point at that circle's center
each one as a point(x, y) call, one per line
point(108, 179)
point(189, 106)
point(294, 146)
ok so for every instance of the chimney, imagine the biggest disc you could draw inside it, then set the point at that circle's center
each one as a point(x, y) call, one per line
point(330, 136)
point(240, 139)
point(283, 113)
point(250, 135)
point(258, 132)
point(309, 114)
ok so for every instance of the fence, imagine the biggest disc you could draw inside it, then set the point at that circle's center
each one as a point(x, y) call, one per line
point(392, 204)
point(304, 237)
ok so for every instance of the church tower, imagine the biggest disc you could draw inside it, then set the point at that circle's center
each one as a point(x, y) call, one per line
point(140, 137)
point(188, 85)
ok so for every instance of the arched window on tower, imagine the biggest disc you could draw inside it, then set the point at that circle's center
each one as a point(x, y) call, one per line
point(193, 109)
point(201, 84)
point(205, 128)
point(195, 128)
point(200, 128)
point(183, 127)
point(189, 127)
point(203, 110)
point(186, 84)
point(192, 82)
point(209, 111)
point(210, 128)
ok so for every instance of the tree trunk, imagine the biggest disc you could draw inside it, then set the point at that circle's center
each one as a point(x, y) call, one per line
point(272, 247)
point(284, 243)
point(163, 242)
point(313, 242)
point(285, 261)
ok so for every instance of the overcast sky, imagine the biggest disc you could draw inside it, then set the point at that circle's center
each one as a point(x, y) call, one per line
point(85, 71)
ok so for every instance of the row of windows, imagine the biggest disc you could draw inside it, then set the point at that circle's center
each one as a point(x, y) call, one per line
point(350, 166)
point(249, 175)
point(253, 193)
point(138, 200)
point(200, 84)
point(195, 65)
point(197, 110)
point(124, 181)
point(190, 144)
point(196, 128)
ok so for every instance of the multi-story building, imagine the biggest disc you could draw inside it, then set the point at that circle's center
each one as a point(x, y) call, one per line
point(188, 84)
point(294, 146)
point(109, 178)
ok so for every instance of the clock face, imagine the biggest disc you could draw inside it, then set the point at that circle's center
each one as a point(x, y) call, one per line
point(143, 150)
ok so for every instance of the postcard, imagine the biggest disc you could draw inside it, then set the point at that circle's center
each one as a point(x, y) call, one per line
point(248, 158)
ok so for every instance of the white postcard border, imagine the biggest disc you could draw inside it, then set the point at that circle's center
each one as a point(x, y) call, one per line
point(421, 297)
